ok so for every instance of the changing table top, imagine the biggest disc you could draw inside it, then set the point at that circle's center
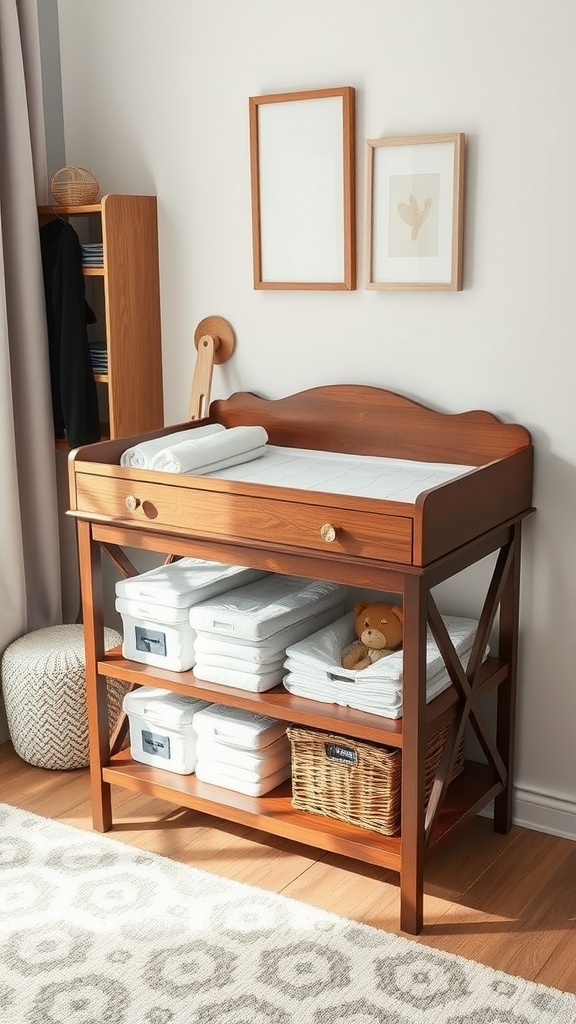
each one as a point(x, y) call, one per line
point(413, 483)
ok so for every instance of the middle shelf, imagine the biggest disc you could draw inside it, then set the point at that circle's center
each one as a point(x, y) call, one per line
point(278, 703)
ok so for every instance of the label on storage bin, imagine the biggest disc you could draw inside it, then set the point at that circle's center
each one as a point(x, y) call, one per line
point(153, 743)
point(150, 641)
point(334, 752)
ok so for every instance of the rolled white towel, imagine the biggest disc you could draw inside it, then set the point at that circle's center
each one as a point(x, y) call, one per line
point(209, 453)
point(140, 455)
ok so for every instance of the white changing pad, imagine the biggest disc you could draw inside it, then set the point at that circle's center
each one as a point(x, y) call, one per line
point(262, 608)
point(183, 583)
point(337, 473)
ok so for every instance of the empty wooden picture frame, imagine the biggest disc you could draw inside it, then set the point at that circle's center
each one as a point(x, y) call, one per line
point(302, 164)
point(415, 212)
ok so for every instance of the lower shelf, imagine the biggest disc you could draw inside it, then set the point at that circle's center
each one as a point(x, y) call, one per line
point(274, 813)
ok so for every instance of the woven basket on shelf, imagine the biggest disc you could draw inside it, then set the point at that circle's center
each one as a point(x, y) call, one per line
point(74, 186)
point(355, 781)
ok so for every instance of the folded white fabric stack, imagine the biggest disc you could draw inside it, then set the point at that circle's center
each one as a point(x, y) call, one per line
point(240, 750)
point(314, 670)
point(211, 452)
point(155, 608)
point(242, 636)
point(140, 456)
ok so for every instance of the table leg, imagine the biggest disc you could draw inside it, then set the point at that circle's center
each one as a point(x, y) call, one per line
point(96, 691)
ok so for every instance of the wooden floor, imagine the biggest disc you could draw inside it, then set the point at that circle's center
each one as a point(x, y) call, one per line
point(506, 901)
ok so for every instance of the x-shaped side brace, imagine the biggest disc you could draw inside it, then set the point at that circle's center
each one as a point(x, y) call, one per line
point(465, 682)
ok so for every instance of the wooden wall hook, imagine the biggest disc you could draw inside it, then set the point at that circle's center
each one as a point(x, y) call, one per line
point(214, 340)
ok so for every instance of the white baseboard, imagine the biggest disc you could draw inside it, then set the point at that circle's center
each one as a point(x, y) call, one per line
point(542, 812)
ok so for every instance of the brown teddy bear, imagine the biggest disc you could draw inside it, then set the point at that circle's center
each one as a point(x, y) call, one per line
point(378, 627)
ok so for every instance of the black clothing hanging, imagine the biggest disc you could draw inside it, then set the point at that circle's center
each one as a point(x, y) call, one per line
point(74, 395)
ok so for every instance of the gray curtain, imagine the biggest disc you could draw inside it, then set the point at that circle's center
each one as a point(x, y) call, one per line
point(29, 545)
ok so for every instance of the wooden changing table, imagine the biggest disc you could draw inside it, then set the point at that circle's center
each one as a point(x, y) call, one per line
point(405, 549)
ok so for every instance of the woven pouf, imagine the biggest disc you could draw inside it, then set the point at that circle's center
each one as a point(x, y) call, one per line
point(44, 688)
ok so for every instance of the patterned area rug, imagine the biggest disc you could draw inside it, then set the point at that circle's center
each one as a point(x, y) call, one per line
point(92, 931)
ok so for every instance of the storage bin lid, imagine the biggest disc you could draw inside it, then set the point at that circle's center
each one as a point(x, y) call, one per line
point(148, 611)
point(229, 756)
point(262, 608)
point(162, 707)
point(181, 584)
point(238, 727)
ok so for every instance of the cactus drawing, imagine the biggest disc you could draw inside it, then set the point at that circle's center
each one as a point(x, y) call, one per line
point(413, 216)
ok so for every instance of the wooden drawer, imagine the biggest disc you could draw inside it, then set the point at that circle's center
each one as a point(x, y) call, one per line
point(237, 517)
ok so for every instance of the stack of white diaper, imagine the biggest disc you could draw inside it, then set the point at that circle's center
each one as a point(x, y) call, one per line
point(240, 750)
point(241, 636)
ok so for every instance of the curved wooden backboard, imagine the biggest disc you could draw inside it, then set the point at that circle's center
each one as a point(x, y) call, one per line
point(364, 420)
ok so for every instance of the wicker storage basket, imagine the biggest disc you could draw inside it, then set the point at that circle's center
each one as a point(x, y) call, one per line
point(74, 186)
point(353, 780)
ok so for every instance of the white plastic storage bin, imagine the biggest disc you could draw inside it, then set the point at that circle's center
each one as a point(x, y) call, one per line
point(157, 634)
point(161, 728)
point(155, 608)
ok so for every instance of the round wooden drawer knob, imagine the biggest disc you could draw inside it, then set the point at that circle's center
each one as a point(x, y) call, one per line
point(132, 503)
point(328, 533)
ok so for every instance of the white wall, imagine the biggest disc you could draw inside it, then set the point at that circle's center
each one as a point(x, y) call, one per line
point(156, 99)
point(51, 83)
